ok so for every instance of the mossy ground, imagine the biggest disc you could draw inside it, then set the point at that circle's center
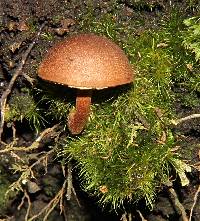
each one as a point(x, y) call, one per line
point(127, 150)
point(125, 153)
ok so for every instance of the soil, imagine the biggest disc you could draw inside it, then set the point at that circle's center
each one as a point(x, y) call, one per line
point(18, 21)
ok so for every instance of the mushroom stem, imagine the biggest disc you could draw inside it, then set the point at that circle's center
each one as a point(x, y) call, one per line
point(78, 118)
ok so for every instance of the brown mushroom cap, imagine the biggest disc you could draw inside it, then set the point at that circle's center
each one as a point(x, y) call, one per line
point(86, 61)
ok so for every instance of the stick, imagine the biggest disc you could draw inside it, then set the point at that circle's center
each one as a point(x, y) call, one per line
point(13, 79)
point(176, 122)
point(69, 182)
point(194, 203)
point(178, 205)
point(47, 132)
point(141, 216)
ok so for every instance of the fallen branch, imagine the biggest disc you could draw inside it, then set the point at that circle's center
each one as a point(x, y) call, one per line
point(176, 122)
point(13, 79)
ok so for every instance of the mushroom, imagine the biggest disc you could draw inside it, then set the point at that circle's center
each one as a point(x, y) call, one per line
point(85, 62)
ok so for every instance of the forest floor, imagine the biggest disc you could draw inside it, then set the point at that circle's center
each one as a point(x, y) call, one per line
point(20, 21)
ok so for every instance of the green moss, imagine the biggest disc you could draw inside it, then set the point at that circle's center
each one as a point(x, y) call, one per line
point(56, 100)
point(190, 100)
point(121, 153)
point(122, 147)
point(125, 154)
point(4, 185)
point(32, 24)
point(48, 36)
point(56, 19)
point(23, 106)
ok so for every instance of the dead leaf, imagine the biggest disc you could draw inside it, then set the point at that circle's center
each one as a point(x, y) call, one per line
point(16, 45)
point(23, 26)
point(162, 45)
point(12, 25)
point(65, 25)
point(189, 67)
point(32, 187)
point(103, 189)
point(158, 112)
point(163, 138)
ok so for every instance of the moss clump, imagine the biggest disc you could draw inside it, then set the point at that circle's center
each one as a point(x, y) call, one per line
point(4, 186)
point(191, 38)
point(23, 106)
point(125, 152)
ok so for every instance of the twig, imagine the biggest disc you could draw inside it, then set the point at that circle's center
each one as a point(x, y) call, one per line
point(17, 185)
point(126, 217)
point(74, 192)
point(141, 216)
point(29, 205)
point(69, 182)
point(35, 144)
point(61, 197)
point(178, 204)
point(14, 131)
point(21, 203)
point(42, 158)
point(64, 212)
point(26, 173)
point(51, 205)
point(194, 203)
point(176, 122)
point(7, 219)
point(13, 79)
point(70, 187)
